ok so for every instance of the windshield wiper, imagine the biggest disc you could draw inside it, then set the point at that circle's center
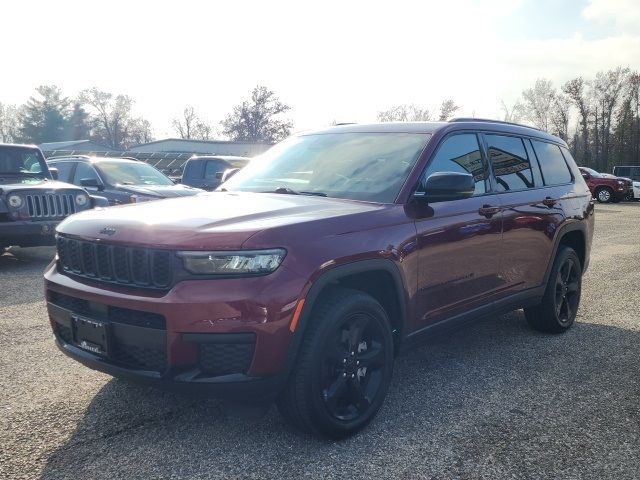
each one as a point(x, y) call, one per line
point(290, 191)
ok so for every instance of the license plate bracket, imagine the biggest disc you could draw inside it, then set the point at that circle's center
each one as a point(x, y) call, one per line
point(91, 335)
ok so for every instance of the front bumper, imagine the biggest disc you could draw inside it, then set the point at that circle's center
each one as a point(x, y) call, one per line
point(200, 319)
point(28, 233)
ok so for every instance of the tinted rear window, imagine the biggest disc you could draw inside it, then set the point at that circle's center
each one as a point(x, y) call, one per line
point(510, 162)
point(554, 167)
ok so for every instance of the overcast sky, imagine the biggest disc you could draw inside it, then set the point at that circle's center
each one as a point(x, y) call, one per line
point(328, 60)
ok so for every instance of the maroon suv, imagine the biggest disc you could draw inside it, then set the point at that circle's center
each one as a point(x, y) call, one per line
point(606, 188)
point(308, 271)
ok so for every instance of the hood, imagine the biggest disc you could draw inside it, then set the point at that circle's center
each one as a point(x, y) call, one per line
point(161, 191)
point(614, 177)
point(11, 184)
point(218, 220)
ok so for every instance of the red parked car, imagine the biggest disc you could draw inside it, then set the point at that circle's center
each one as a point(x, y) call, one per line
point(606, 188)
point(303, 278)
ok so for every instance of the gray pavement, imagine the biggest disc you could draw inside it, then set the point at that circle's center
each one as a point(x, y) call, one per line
point(495, 400)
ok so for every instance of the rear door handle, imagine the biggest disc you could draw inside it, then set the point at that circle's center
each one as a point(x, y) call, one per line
point(488, 210)
point(549, 202)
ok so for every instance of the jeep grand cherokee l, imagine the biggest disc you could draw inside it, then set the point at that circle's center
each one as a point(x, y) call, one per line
point(32, 203)
point(304, 276)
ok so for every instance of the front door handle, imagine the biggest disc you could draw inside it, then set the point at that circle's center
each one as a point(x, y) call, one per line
point(549, 202)
point(488, 210)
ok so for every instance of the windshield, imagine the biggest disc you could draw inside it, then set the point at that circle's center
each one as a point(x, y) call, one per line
point(131, 173)
point(360, 166)
point(592, 172)
point(22, 162)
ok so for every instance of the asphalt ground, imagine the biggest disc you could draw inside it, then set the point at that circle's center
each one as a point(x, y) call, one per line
point(495, 400)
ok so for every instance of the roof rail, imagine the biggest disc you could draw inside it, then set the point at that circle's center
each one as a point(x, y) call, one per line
point(488, 120)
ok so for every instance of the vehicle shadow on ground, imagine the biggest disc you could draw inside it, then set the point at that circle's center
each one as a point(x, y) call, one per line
point(493, 392)
point(25, 260)
point(20, 265)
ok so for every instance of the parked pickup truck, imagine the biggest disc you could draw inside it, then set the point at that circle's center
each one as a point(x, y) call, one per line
point(32, 201)
point(206, 171)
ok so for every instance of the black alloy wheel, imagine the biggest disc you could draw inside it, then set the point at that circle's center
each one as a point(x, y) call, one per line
point(343, 368)
point(353, 367)
point(557, 311)
point(567, 291)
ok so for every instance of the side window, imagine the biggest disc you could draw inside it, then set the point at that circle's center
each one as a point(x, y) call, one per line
point(213, 168)
point(84, 171)
point(512, 167)
point(64, 170)
point(554, 167)
point(460, 153)
point(193, 169)
point(622, 171)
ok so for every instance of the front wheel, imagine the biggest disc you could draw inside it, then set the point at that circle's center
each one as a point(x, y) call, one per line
point(344, 366)
point(557, 311)
point(604, 195)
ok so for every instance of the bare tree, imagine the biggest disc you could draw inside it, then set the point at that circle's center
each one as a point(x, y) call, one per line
point(513, 114)
point(405, 113)
point(575, 90)
point(537, 103)
point(191, 126)
point(9, 123)
point(560, 108)
point(112, 120)
point(256, 120)
point(447, 109)
point(605, 92)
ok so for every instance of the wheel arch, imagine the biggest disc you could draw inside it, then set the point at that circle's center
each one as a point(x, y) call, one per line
point(572, 235)
point(379, 278)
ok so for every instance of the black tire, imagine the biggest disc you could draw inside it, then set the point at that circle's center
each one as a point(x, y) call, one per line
point(604, 195)
point(331, 392)
point(557, 311)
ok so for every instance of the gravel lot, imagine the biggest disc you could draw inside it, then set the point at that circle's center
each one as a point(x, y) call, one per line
point(496, 400)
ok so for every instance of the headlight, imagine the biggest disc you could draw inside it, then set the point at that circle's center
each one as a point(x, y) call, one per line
point(232, 263)
point(15, 201)
point(82, 199)
point(620, 182)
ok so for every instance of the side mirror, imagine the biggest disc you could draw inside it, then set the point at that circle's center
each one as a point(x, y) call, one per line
point(54, 172)
point(446, 186)
point(91, 182)
point(228, 173)
point(585, 175)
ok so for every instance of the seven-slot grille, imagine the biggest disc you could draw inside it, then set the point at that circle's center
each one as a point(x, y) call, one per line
point(50, 205)
point(139, 267)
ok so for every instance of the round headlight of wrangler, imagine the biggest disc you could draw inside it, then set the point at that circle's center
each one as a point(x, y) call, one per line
point(82, 199)
point(15, 201)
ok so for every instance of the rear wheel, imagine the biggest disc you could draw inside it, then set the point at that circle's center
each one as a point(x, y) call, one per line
point(559, 306)
point(344, 366)
point(604, 195)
